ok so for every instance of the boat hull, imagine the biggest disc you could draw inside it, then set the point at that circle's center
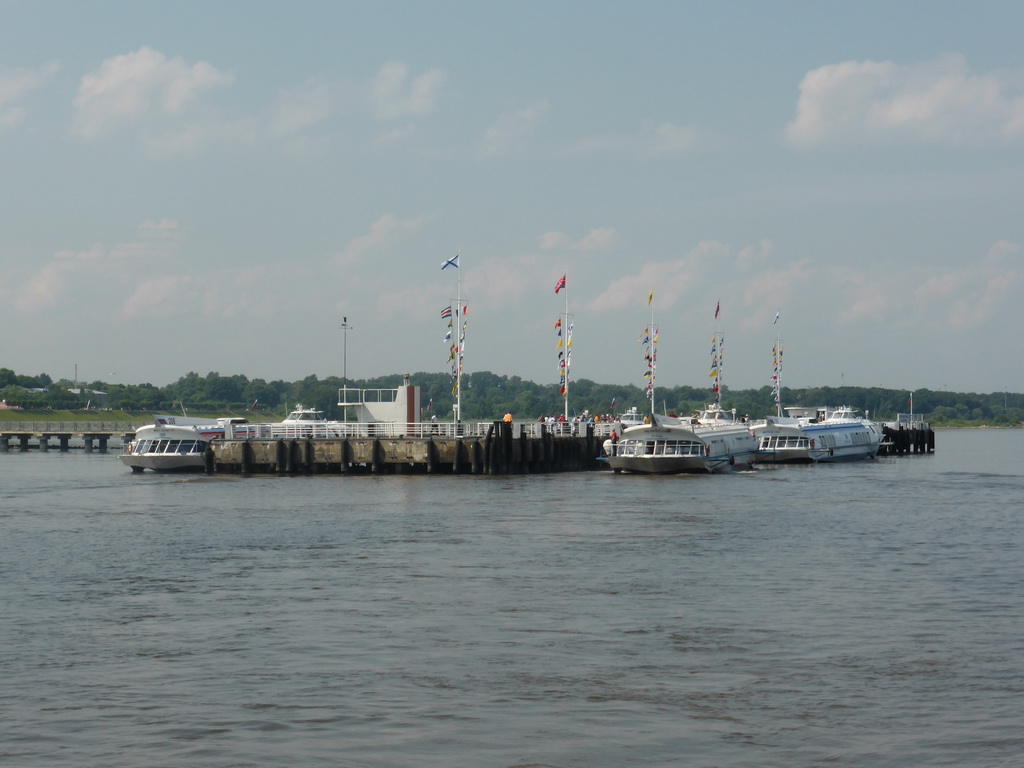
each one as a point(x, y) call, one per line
point(659, 465)
point(785, 456)
point(164, 462)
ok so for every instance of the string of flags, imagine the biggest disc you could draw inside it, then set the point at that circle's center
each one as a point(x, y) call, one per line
point(564, 353)
point(717, 357)
point(776, 371)
point(456, 351)
point(456, 317)
point(649, 340)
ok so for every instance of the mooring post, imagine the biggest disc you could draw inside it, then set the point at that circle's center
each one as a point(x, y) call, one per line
point(376, 462)
point(489, 450)
point(507, 459)
point(475, 459)
point(246, 458)
point(431, 456)
point(457, 448)
point(344, 451)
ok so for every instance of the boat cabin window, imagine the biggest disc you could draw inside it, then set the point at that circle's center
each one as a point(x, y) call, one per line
point(306, 416)
point(659, 448)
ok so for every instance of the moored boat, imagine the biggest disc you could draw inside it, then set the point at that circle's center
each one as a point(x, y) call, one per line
point(164, 447)
point(308, 422)
point(817, 435)
point(731, 443)
point(710, 442)
point(657, 449)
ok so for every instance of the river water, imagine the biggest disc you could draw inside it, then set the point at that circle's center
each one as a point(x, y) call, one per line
point(867, 614)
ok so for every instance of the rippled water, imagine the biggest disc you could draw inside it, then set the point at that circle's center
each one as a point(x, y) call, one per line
point(868, 614)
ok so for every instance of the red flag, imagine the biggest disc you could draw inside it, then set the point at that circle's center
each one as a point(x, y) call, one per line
point(560, 284)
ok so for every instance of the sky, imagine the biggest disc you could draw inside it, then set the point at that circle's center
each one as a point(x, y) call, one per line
point(222, 186)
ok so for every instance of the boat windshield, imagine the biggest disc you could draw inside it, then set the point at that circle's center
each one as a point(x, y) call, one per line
point(708, 416)
point(305, 416)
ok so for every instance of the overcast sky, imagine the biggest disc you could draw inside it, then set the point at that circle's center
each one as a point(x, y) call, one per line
point(214, 186)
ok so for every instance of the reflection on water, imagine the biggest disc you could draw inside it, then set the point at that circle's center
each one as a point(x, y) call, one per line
point(865, 614)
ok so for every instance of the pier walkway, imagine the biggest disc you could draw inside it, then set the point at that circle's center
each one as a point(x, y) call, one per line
point(88, 435)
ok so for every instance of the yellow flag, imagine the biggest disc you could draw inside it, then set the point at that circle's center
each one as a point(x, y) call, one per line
point(650, 298)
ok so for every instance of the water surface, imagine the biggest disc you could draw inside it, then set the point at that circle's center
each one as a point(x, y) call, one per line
point(866, 614)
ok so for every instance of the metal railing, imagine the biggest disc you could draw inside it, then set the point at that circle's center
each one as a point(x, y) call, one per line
point(73, 427)
point(386, 429)
point(329, 429)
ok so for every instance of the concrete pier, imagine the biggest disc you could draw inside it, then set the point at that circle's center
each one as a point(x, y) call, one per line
point(496, 453)
point(68, 434)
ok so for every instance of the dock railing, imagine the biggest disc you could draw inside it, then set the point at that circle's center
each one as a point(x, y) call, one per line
point(72, 427)
point(391, 430)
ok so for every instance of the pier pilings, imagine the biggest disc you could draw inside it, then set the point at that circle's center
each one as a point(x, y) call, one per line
point(499, 452)
point(903, 440)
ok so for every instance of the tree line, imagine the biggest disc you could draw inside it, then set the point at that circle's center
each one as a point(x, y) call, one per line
point(487, 396)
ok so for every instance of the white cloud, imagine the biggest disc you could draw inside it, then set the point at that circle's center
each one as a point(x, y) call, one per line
point(596, 240)
point(217, 294)
point(15, 84)
point(668, 139)
point(299, 108)
point(651, 140)
point(555, 240)
point(974, 296)
point(938, 101)
point(164, 296)
point(510, 132)
point(394, 94)
point(501, 282)
point(385, 233)
point(395, 136)
point(143, 88)
point(670, 280)
point(159, 230)
point(43, 289)
point(70, 271)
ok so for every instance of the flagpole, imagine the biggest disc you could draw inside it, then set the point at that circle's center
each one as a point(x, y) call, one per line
point(778, 367)
point(458, 356)
point(457, 349)
point(717, 356)
point(652, 351)
point(568, 350)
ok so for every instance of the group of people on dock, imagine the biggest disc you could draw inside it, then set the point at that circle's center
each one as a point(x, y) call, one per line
point(585, 418)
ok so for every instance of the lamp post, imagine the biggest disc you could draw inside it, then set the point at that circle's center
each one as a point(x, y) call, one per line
point(344, 372)
point(344, 363)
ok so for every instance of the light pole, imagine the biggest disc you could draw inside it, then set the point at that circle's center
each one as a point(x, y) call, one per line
point(344, 372)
